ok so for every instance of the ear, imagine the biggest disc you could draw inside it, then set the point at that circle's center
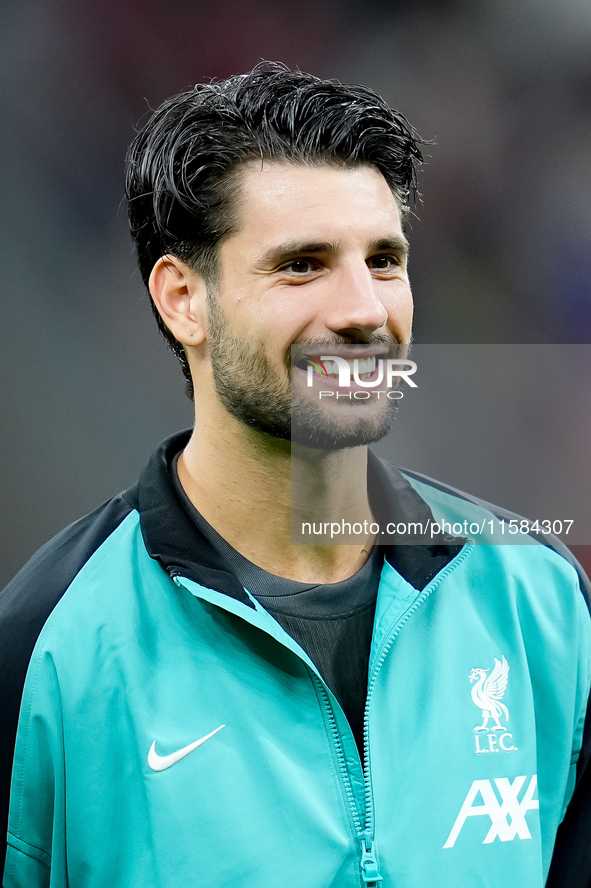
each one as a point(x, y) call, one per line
point(180, 295)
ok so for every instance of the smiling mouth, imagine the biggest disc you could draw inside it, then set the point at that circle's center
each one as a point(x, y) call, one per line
point(364, 367)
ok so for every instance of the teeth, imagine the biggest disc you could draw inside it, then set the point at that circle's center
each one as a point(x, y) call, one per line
point(366, 367)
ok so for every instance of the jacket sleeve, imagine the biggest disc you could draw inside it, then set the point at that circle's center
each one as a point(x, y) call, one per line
point(571, 859)
point(35, 855)
point(25, 607)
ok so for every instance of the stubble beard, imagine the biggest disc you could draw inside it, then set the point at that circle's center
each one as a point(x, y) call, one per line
point(252, 391)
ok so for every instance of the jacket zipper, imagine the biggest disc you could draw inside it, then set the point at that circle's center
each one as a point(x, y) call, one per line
point(365, 832)
point(369, 867)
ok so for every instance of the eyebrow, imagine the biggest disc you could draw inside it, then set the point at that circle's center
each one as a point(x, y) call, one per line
point(397, 244)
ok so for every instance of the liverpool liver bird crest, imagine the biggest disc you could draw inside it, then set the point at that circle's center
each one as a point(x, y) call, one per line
point(488, 692)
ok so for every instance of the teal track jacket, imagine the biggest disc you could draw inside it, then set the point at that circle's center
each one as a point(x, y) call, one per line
point(172, 735)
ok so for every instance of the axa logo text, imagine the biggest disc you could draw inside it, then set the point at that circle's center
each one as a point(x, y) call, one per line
point(507, 816)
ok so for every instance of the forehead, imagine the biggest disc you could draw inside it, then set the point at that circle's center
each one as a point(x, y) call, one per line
point(278, 200)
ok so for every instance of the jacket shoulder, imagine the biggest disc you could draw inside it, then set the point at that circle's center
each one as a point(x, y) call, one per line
point(25, 606)
point(461, 503)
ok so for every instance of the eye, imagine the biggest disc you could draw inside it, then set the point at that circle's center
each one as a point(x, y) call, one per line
point(298, 266)
point(384, 262)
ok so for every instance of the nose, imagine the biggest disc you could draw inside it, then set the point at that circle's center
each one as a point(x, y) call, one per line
point(355, 308)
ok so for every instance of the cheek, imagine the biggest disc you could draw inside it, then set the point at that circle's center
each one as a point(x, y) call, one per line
point(400, 310)
point(410, 309)
point(286, 318)
point(269, 310)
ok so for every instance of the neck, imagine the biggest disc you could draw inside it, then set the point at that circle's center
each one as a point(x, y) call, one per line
point(257, 491)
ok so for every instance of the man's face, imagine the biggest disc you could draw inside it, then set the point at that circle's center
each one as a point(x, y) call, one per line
point(319, 262)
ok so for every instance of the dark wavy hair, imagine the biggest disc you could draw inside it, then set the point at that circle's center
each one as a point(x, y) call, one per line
point(182, 167)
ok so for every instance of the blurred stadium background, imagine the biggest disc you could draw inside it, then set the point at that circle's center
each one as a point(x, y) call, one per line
point(501, 252)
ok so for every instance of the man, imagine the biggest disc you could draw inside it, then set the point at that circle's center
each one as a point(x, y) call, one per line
point(207, 703)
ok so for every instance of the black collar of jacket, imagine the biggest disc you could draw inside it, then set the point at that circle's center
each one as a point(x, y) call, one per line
point(173, 539)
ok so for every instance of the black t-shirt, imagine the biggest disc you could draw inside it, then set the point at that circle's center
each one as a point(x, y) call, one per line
point(332, 622)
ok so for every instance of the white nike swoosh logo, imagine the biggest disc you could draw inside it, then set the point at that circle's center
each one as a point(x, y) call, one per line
point(162, 762)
